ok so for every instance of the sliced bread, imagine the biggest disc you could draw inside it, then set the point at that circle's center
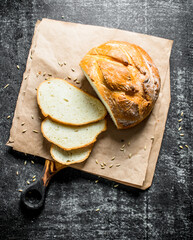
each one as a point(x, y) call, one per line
point(70, 157)
point(65, 103)
point(71, 137)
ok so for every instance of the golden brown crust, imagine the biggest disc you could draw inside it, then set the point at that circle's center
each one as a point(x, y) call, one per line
point(126, 78)
point(68, 149)
point(69, 163)
point(57, 120)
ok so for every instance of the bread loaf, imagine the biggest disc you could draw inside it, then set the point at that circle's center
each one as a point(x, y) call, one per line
point(125, 79)
point(70, 157)
point(71, 137)
point(67, 104)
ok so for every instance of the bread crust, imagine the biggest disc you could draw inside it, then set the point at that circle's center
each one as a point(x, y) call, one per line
point(58, 120)
point(69, 163)
point(126, 79)
point(82, 146)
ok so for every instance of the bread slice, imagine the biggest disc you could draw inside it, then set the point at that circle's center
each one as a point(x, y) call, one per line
point(71, 137)
point(65, 103)
point(70, 157)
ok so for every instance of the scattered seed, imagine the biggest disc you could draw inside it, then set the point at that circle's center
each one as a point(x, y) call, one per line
point(32, 116)
point(60, 64)
point(69, 77)
point(76, 130)
point(121, 149)
point(182, 114)
point(97, 210)
point(180, 120)
point(64, 63)
point(62, 17)
point(186, 146)
point(20, 190)
point(34, 176)
point(18, 67)
point(111, 166)
point(37, 74)
point(96, 181)
point(44, 74)
point(11, 141)
point(96, 161)
point(25, 162)
point(22, 123)
point(75, 79)
point(181, 134)
point(8, 117)
point(17, 173)
point(113, 158)
point(152, 138)
point(128, 143)
point(35, 131)
point(104, 164)
point(28, 182)
point(36, 89)
point(116, 185)
point(66, 100)
point(77, 82)
point(123, 146)
point(179, 128)
point(6, 86)
point(181, 146)
point(40, 118)
point(25, 78)
point(145, 148)
point(24, 130)
point(31, 57)
point(118, 165)
point(32, 161)
point(49, 74)
point(130, 154)
point(34, 180)
point(102, 167)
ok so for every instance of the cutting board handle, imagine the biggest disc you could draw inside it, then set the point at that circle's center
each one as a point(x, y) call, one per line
point(33, 197)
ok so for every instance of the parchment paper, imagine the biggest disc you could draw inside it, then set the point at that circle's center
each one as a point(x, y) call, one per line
point(57, 48)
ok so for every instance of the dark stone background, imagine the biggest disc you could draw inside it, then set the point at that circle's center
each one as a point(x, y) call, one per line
point(162, 212)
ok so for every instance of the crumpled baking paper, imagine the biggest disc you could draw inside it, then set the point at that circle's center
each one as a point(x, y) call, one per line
point(56, 50)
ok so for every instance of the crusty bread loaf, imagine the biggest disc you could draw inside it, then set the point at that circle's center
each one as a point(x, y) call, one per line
point(70, 157)
point(67, 104)
point(126, 80)
point(71, 137)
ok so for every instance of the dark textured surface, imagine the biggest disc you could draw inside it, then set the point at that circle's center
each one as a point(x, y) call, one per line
point(165, 210)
